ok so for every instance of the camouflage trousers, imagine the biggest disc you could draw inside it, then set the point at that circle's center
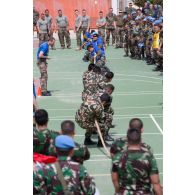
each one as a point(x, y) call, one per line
point(62, 32)
point(127, 45)
point(43, 37)
point(44, 76)
point(88, 125)
point(108, 32)
point(109, 117)
point(119, 36)
point(102, 33)
point(78, 37)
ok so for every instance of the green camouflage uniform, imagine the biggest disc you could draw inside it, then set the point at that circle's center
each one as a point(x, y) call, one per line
point(35, 17)
point(44, 141)
point(45, 145)
point(110, 18)
point(78, 180)
point(45, 180)
point(127, 36)
point(119, 31)
point(89, 111)
point(121, 144)
point(134, 168)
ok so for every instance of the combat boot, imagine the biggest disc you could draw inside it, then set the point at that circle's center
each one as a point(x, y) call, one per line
point(88, 140)
point(99, 144)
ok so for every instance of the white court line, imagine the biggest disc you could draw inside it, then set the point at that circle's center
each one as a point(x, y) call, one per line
point(122, 134)
point(121, 108)
point(134, 80)
point(143, 117)
point(138, 76)
point(157, 125)
point(108, 174)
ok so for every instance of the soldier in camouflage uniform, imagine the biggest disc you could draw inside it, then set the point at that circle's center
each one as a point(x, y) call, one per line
point(77, 180)
point(85, 22)
point(101, 23)
point(119, 30)
point(42, 57)
point(62, 25)
point(110, 26)
point(134, 170)
point(43, 138)
point(127, 32)
point(90, 110)
point(45, 180)
point(121, 144)
point(42, 26)
point(35, 19)
point(81, 152)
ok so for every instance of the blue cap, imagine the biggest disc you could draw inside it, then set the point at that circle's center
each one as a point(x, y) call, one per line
point(94, 33)
point(157, 22)
point(64, 142)
point(133, 12)
point(151, 19)
point(161, 18)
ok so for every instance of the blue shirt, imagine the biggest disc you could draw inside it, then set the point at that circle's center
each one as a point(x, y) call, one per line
point(44, 47)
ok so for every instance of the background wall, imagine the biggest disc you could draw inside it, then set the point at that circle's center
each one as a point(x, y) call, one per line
point(68, 6)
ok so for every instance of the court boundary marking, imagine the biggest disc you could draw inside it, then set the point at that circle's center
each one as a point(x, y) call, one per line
point(155, 122)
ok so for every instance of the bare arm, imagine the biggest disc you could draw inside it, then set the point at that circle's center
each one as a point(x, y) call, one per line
point(156, 184)
point(115, 181)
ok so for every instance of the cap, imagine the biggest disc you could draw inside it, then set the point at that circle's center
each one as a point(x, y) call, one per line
point(157, 22)
point(94, 33)
point(89, 45)
point(64, 142)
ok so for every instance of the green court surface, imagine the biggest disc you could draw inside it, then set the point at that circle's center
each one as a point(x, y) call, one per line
point(138, 93)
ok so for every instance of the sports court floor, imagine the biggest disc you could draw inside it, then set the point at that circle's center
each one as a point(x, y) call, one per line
point(138, 93)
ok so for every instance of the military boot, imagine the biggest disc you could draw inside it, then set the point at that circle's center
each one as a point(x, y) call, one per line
point(88, 140)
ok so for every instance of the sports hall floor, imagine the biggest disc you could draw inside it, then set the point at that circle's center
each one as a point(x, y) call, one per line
point(138, 93)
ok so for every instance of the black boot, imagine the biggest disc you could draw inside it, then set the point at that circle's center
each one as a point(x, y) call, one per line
point(99, 144)
point(88, 140)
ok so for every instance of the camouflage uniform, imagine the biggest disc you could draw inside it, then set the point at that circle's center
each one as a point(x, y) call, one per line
point(44, 141)
point(148, 35)
point(45, 180)
point(90, 110)
point(134, 168)
point(62, 23)
point(109, 112)
point(127, 32)
point(119, 31)
point(78, 180)
point(110, 18)
point(43, 30)
point(121, 144)
point(101, 30)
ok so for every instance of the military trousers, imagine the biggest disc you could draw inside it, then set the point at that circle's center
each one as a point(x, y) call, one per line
point(43, 37)
point(63, 33)
point(120, 36)
point(108, 32)
point(78, 37)
point(102, 33)
point(44, 76)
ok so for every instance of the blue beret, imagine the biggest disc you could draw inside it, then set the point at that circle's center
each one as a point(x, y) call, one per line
point(157, 22)
point(64, 142)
